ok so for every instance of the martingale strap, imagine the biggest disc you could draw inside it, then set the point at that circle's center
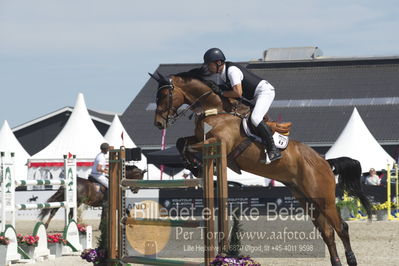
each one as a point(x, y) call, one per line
point(231, 157)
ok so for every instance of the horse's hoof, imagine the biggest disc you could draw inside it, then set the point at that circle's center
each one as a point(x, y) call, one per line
point(350, 258)
point(335, 262)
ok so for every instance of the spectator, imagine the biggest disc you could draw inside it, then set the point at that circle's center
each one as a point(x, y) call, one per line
point(373, 179)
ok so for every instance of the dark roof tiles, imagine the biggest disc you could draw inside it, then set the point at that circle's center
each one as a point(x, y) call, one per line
point(318, 79)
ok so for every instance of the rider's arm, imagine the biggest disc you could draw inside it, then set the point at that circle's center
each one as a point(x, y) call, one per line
point(100, 169)
point(102, 164)
point(236, 92)
point(235, 77)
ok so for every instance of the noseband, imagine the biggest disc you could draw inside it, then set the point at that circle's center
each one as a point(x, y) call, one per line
point(169, 108)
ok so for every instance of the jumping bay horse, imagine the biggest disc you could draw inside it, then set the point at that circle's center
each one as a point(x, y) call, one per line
point(301, 169)
point(88, 192)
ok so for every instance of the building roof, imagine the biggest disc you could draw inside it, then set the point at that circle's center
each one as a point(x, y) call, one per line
point(317, 95)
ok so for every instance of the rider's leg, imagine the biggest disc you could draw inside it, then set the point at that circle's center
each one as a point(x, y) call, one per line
point(264, 95)
point(102, 179)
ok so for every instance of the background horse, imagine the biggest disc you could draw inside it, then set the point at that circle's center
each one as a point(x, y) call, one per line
point(88, 192)
point(301, 169)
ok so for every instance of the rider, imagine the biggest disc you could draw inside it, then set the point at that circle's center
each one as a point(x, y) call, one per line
point(99, 170)
point(243, 83)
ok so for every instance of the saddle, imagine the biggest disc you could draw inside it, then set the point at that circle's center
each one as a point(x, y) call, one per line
point(280, 136)
point(280, 139)
point(282, 128)
point(99, 187)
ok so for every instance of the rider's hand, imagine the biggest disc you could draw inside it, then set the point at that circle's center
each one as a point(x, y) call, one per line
point(217, 90)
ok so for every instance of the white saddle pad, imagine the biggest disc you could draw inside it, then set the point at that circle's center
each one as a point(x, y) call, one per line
point(280, 140)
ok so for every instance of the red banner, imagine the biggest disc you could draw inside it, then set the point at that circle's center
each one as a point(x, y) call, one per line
point(57, 164)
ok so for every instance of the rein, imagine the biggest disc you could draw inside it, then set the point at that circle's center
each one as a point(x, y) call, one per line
point(172, 118)
point(193, 104)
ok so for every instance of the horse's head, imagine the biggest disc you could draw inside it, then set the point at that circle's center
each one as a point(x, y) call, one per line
point(168, 101)
point(182, 88)
point(133, 172)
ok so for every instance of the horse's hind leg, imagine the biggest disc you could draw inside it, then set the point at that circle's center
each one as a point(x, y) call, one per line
point(321, 223)
point(342, 230)
point(52, 214)
point(327, 233)
point(333, 218)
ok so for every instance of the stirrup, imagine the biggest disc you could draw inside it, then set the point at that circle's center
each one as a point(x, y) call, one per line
point(276, 157)
point(268, 161)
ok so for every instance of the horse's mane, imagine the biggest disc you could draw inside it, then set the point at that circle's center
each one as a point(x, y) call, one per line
point(201, 75)
point(195, 73)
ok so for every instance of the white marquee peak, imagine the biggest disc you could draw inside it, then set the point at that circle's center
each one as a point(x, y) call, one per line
point(9, 143)
point(357, 142)
point(114, 135)
point(79, 136)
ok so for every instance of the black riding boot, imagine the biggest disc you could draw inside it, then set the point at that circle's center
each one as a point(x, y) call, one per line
point(265, 133)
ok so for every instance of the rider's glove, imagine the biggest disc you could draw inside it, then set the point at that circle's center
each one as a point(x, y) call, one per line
point(217, 90)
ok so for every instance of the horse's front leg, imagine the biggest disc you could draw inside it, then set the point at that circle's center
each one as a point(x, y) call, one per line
point(191, 160)
point(197, 147)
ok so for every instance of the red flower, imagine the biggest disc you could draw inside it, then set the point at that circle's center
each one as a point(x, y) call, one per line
point(4, 240)
point(55, 238)
point(82, 228)
point(28, 239)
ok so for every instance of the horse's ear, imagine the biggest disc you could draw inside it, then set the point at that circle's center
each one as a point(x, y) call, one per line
point(154, 77)
point(163, 78)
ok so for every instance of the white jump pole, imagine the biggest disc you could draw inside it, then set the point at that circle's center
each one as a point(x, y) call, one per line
point(8, 185)
point(7, 188)
point(70, 188)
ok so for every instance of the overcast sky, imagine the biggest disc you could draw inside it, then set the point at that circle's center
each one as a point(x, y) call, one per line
point(50, 50)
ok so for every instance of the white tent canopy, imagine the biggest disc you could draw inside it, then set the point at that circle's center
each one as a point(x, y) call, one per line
point(356, 142)
point(79, 136)
point(117, 136)
point(9, 143)
point(114, 138)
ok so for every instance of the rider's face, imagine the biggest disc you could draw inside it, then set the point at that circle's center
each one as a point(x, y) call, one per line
point(215, 67)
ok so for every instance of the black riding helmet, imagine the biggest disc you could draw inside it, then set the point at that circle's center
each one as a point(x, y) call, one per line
point(213, 55)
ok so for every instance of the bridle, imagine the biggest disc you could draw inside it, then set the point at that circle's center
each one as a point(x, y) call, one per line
point(172, 114)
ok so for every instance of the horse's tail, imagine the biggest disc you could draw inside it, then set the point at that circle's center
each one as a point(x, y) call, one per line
point(349, 174)
point(57, 197)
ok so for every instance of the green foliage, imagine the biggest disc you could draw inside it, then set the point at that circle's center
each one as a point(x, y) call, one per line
point(351, 204)
point(103, 239)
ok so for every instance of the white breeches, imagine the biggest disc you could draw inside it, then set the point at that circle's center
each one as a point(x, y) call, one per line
point(264, 96)
point(102, 179)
